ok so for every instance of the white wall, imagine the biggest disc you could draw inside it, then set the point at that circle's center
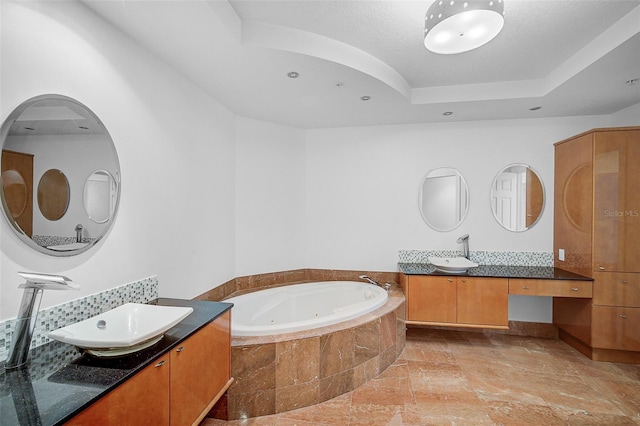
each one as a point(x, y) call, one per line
point(176, 150)
point(270, 185)
point(362, 186)
point(627, 117)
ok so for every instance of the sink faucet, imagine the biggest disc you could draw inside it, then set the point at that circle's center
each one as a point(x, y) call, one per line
point(464, 240)
point(79, 233)
point(28, 312)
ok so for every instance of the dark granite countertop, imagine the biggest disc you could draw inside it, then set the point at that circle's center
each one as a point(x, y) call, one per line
point(58, 381)
point(496, 271)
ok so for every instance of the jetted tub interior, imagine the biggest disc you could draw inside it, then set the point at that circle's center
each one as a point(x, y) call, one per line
point(302, 306)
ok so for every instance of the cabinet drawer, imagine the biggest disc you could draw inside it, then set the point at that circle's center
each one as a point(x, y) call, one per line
point(555, 288)
point(616, 289)
point(616, 328)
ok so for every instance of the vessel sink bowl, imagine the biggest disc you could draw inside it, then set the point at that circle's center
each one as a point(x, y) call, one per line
point(452, 265)
point(128, 328)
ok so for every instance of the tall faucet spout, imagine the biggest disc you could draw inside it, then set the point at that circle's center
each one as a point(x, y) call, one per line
point(28, 313)
point(464, 240)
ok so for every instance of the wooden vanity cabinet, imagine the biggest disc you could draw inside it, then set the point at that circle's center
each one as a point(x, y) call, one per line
point(179, 388)
point(200, 370)
point(141, 400)
point(460, 301)
point(597, 225)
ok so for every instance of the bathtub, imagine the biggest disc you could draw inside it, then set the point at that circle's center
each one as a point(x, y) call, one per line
point(302, 306)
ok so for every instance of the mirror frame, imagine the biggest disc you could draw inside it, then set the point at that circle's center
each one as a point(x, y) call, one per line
point(75, 192)
point(467, 199)
point(543, 193)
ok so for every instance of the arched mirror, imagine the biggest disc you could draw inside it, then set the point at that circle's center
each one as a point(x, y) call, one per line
point(517, 197)
point(54, 142)
point(99, 196)
point(444, 199)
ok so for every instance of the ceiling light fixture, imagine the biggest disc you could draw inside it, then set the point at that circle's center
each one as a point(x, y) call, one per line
point(293, 74)
point(447, 113)
point(365, 98)
point(456, 26)
point(535, 108)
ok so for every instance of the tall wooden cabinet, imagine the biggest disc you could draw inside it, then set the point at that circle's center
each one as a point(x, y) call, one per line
point(597, 234)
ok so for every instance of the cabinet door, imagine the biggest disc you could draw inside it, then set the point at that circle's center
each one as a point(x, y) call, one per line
point(573, 199)
point(141, 400)
point(617, 201)
point(616, 328)
point(200, 368)
point(431, 299)
point(483, 301)
point(616, 289)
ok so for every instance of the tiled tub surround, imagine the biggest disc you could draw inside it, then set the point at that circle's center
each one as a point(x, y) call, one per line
point(274, 374)
point(68, 313)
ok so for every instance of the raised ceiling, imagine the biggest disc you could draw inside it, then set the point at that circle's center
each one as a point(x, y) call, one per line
point(570, 57)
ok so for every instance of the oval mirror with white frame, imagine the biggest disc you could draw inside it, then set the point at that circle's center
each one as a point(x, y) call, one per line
point(52, 136)
point(517, 197)
point(444, 199)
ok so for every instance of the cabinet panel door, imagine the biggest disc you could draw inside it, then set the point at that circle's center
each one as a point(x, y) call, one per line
point(141, 400)
point(483, 301)
point(200, 368)
point(573, 200)
point(617, 201)
point(616, 289)
point(616, 328)
point(431, 299)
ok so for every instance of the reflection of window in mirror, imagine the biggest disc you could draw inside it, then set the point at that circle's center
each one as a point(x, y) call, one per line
point(444, 199)
point(53, 194)
point(517, 197)
point(99, 196)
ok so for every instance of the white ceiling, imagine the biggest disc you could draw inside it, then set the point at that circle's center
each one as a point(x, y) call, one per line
point(570, 57)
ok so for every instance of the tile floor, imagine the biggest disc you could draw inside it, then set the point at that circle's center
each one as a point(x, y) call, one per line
point(474, 378)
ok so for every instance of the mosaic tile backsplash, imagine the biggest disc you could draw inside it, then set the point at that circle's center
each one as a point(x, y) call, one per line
point(507, 258)
point(76, 310)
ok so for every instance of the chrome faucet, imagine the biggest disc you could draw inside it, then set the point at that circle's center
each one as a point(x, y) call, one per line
point(28, 312)
point(79, 233)
point(387, 286)
point(464, 240)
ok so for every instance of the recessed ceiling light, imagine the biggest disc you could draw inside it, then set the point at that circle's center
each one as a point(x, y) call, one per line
point(535, 108)
point(365, 98)
point(447, 113)
point(293, 74)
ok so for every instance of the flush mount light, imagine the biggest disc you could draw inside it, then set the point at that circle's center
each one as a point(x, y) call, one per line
point(456, 26)
point(447, 113)
point(293, 74)
point(365, 98)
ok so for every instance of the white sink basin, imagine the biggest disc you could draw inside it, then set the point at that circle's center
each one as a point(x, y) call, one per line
point(452, 265)
point(125, 329)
